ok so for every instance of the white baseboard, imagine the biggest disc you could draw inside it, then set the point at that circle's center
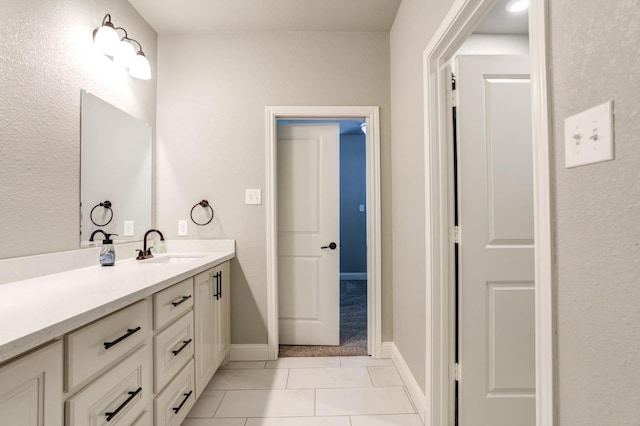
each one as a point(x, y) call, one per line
point(353, 276)
point(415, 393)
point(249, 352)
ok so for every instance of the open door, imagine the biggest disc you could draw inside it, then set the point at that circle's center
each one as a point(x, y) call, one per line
point(308, 234)
point(495, 181)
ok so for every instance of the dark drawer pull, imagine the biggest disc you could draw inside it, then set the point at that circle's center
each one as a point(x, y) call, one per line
point(185, 343)
point(184, 299)
point(130, 331)
point(132, 395)
point(179, 407)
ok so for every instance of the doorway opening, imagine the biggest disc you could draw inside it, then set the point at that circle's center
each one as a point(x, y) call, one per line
point(369, 288)
point(352, 278)
point(443, 374)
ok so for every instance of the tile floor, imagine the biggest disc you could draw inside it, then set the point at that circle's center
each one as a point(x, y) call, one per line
point(340, 391)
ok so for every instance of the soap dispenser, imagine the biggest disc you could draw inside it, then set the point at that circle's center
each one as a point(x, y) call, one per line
point(108, 252)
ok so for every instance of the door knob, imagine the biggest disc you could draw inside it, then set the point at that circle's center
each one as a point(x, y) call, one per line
point(331, 245)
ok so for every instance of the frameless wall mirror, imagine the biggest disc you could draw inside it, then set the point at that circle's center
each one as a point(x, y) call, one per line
point(115, 172)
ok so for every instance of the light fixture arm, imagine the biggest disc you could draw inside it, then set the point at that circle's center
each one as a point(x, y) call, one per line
point(107, 20)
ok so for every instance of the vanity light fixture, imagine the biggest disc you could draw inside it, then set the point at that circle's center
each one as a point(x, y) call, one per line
point(517, 6)
point(121, 49)
point(106, 37)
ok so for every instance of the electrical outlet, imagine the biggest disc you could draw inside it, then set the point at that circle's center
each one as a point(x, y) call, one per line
point(253, 196)
point(128, 228)
point(183, 228)
point(589, 136)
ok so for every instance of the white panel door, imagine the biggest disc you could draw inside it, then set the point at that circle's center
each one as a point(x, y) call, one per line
point(308, 220)
point(496, 305)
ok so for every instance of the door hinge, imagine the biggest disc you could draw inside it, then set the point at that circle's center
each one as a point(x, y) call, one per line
point(454, 98)
point(457, 234)
point(455, 372)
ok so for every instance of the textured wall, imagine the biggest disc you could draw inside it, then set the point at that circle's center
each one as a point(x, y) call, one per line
point(46, 57)
point(595, 49)
point(414, 26)
point(212, 93)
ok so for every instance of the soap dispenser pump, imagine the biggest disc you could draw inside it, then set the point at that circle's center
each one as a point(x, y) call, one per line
point(107, 252)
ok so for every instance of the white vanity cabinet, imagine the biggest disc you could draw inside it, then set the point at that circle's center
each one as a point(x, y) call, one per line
point(31, 388)
point(212, 322)
point(138, 365)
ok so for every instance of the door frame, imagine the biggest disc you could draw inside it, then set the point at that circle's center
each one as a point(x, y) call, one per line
point(459, 22)
point(374, 250)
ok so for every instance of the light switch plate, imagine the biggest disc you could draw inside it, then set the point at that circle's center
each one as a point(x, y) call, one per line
point(183, 228)
point(253, 196)
point(128, 229)
point(588, 136)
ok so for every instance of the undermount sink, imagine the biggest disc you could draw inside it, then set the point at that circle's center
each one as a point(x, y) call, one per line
point(172, 258)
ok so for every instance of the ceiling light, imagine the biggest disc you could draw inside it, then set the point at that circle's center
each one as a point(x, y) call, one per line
point(517, 6)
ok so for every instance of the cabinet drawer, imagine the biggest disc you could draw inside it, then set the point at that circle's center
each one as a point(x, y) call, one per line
point(176, 400)
point(173, 349)
point(96, 346)
point(146, 419)
point(118, 397)
point(172, 302)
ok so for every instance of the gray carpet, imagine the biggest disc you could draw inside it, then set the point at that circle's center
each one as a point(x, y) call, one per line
point(353, 326)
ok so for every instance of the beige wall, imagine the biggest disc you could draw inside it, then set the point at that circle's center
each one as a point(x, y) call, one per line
point(212, 93)
point(414, 26)
point(46, 57)
point(595, 57)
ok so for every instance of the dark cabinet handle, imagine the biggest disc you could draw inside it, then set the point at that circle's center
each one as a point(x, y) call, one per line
point(218, 293)
point(220, 285)
point(130, 331)
point(331, 246)
point(184, 299)
point(179, 407)
point(132, 395)
point(185, 343)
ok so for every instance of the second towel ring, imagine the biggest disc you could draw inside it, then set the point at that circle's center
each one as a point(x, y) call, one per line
point(107, 206)
point(204, 204)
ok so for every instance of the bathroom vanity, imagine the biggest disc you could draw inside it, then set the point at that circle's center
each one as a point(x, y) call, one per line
point(132, 344)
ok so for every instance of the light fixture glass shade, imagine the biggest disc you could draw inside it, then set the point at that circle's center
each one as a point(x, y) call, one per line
point(106, 39)
point(140, 67)
point(125, 54)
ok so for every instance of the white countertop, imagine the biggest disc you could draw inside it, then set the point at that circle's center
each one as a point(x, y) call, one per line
point(37, 310)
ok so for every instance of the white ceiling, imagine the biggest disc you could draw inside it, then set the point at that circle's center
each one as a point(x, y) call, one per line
point(499, 21)
point(211, 16)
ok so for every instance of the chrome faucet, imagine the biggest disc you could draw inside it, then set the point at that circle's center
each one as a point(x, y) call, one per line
point(145, 253)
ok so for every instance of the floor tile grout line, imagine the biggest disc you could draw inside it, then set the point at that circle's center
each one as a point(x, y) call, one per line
point(315, 403)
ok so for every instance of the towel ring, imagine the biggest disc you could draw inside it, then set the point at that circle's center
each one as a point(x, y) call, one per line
point(107, 206)
point(204, 204)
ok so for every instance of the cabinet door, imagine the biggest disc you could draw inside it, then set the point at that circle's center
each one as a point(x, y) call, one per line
point(204, 308)
point(31, 389)
point(222, 314)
